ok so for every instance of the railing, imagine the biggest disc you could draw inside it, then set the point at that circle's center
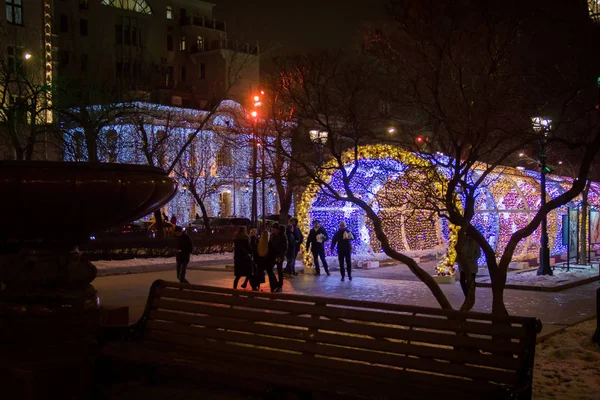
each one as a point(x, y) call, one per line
point(225, 45)
point(203, 22)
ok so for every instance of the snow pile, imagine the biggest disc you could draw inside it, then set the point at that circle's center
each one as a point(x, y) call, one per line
point(143, 262)
point(560, 277)
point(567, 365)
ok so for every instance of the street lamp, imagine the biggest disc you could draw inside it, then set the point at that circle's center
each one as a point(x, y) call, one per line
point(542, 126)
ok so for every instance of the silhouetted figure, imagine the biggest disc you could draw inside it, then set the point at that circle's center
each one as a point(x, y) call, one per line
point(290, 254)
point(298, 239)
point(261, 257)
point(343, 238)
point(242, 257)
point(183, 247)
point(277, 251)
point(468, 272)
point(316, 242)
point(174, 219)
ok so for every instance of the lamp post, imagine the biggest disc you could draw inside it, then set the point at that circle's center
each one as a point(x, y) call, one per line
point(254, 216)
point(542, 125)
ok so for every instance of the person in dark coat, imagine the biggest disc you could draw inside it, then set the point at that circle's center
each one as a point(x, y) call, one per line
point(242, 257)
point(277, 252)
point(183, 247)
point(343, 238)
point(174, 219)
point(290, 255)
point(316, 242)
point(468, 271)
point(261, 257)
point(298, 239)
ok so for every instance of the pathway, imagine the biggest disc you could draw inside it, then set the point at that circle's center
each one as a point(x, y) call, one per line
point(384, 285)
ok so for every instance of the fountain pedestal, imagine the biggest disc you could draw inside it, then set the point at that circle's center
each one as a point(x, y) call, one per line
point(49, 311)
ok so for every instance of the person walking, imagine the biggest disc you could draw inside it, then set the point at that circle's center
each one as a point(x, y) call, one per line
point(343, 238)
point(290, 255)
point(316, 241)
point(298, 240)
point(242, 257)
point(277, 252)
point(183, 248)
point(468, 271)
point(260, 253)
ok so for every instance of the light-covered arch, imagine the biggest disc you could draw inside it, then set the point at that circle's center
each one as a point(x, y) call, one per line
point(377, 165)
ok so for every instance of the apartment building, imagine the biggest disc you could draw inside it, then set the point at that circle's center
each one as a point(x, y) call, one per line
point(174, 52)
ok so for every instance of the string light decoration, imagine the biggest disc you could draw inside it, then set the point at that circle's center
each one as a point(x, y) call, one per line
point(505, 203)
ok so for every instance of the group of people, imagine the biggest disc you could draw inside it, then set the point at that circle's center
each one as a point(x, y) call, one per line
point(256, 254)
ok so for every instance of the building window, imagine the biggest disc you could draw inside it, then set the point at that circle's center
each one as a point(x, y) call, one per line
point(169, 43)
point(183, 74)
point(84, 4)
point(200, 43)
point(119, 34)
point(202, 71)
point(169, 77)
point(83, 27)
point(182, 44)
point(132, 5)
point(63, 57)
point(134, 36)
point(14, 59)
point(169, 12)
point(224, 157)
point(84, 62)
point(14, 11)
point(64, 23)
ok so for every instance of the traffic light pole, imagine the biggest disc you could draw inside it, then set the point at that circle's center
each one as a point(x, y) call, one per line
point(544, 268)
point(254, 176)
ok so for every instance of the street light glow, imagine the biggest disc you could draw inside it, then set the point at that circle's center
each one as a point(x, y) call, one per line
point(560, 163)
point(540, 124)
point(391, 129)
point(254, 114)
point(27, 56)
point(521, 154)
point(256, 98)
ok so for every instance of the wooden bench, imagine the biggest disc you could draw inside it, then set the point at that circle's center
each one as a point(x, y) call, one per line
point(330, 346)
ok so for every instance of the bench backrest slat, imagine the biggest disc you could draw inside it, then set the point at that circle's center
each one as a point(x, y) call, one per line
point(346, 353)
point(380, 316)
point(359, 341)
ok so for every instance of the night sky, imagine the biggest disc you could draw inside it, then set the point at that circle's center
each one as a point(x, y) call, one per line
point(297, 25)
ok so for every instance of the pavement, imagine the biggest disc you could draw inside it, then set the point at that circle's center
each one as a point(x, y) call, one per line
point(393, 284)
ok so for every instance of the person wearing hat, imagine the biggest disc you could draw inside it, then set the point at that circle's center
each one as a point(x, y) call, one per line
point(316, 239)
point(277, 250)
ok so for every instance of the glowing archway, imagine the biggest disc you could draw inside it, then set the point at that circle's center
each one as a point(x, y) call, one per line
point(384, 163)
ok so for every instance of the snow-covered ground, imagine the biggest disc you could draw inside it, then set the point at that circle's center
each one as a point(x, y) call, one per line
point(142, 262)
point(560, 277)
point(567, 365)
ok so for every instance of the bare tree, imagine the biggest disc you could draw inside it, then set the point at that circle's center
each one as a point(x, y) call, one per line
point(24, 98)
point(474, 74)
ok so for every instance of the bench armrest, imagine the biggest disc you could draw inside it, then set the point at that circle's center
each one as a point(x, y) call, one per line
point(118, 333)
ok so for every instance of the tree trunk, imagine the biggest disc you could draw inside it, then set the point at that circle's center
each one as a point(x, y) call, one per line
point(91, 143)
point(205, 218)
point(583, 230)
point(202, 208)
point(159, 224)
point(286, 204)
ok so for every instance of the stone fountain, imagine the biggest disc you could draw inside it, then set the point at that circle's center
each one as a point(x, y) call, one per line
point(49, 311)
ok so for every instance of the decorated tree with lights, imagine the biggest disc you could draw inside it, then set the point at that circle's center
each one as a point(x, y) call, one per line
point(464, 80)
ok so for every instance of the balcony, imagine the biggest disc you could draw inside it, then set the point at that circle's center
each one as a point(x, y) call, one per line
point(203, 22)
point(224, 44)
